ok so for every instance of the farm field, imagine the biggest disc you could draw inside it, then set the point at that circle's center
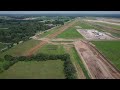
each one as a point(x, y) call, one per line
point(111, 49)
point(50, 69)
point(20, 49)
point(52, 49)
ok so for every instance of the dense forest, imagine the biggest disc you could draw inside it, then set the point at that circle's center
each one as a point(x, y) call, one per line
point(13, 31)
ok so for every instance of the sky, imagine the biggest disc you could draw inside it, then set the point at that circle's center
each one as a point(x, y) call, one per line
point(59, 12)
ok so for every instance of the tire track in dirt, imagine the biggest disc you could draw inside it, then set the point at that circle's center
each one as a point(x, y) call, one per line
point(96, 64)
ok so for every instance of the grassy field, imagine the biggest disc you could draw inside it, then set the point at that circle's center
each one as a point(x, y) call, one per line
point(52, 49)
point(111, 49)
point(70, 33)
point(79, 61)
point(52, 30)
point(20, 49)
point(110, 25)
point(49, 32)
point(85, 25)
point(51, 69)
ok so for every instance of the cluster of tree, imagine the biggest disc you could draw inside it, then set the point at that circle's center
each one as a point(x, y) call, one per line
point(43, 57)
point(7, 62)
point(56, 22)
point(69, 69)
point(20, 30)
point(8, 46)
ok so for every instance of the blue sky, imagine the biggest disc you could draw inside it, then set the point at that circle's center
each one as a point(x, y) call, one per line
point(59, 12)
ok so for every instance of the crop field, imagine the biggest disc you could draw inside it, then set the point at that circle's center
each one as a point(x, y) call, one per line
point(20, 49)
point(51, 69)
point(52, 49)
point(111, 49)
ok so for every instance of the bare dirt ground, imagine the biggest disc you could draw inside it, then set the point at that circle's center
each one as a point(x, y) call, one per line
point(43, 42)
point(97, 66)
point(106, 29)
point(80, 74)
point(90, 35)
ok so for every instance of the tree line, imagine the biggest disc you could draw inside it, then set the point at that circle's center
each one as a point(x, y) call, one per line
point(69, 69)
point(20, 30)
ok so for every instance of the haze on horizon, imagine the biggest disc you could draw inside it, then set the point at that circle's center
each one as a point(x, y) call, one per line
point(59, 12)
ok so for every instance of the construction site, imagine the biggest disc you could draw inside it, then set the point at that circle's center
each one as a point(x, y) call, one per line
point(89, 59)
point(94, 34)
point(97, 65)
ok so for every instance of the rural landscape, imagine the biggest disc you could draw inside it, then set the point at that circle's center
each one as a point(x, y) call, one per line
point(53, 46)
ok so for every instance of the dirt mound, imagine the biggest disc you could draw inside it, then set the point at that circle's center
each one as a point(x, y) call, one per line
point(97, 66)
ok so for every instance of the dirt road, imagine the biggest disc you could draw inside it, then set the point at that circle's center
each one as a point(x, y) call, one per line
point(79, 72)
point(51, 36)
point(96, 64)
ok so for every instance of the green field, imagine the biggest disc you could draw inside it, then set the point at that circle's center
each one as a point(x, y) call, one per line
point(20, 49)
point(85, 25)
point(49, 32)
point(52, 49)
point(110, 25)
point(111, 49)
point(70, 33)
point(51, 69)
point(79, 61)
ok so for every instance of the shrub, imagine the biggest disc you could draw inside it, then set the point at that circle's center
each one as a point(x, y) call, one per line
point(8, 57)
